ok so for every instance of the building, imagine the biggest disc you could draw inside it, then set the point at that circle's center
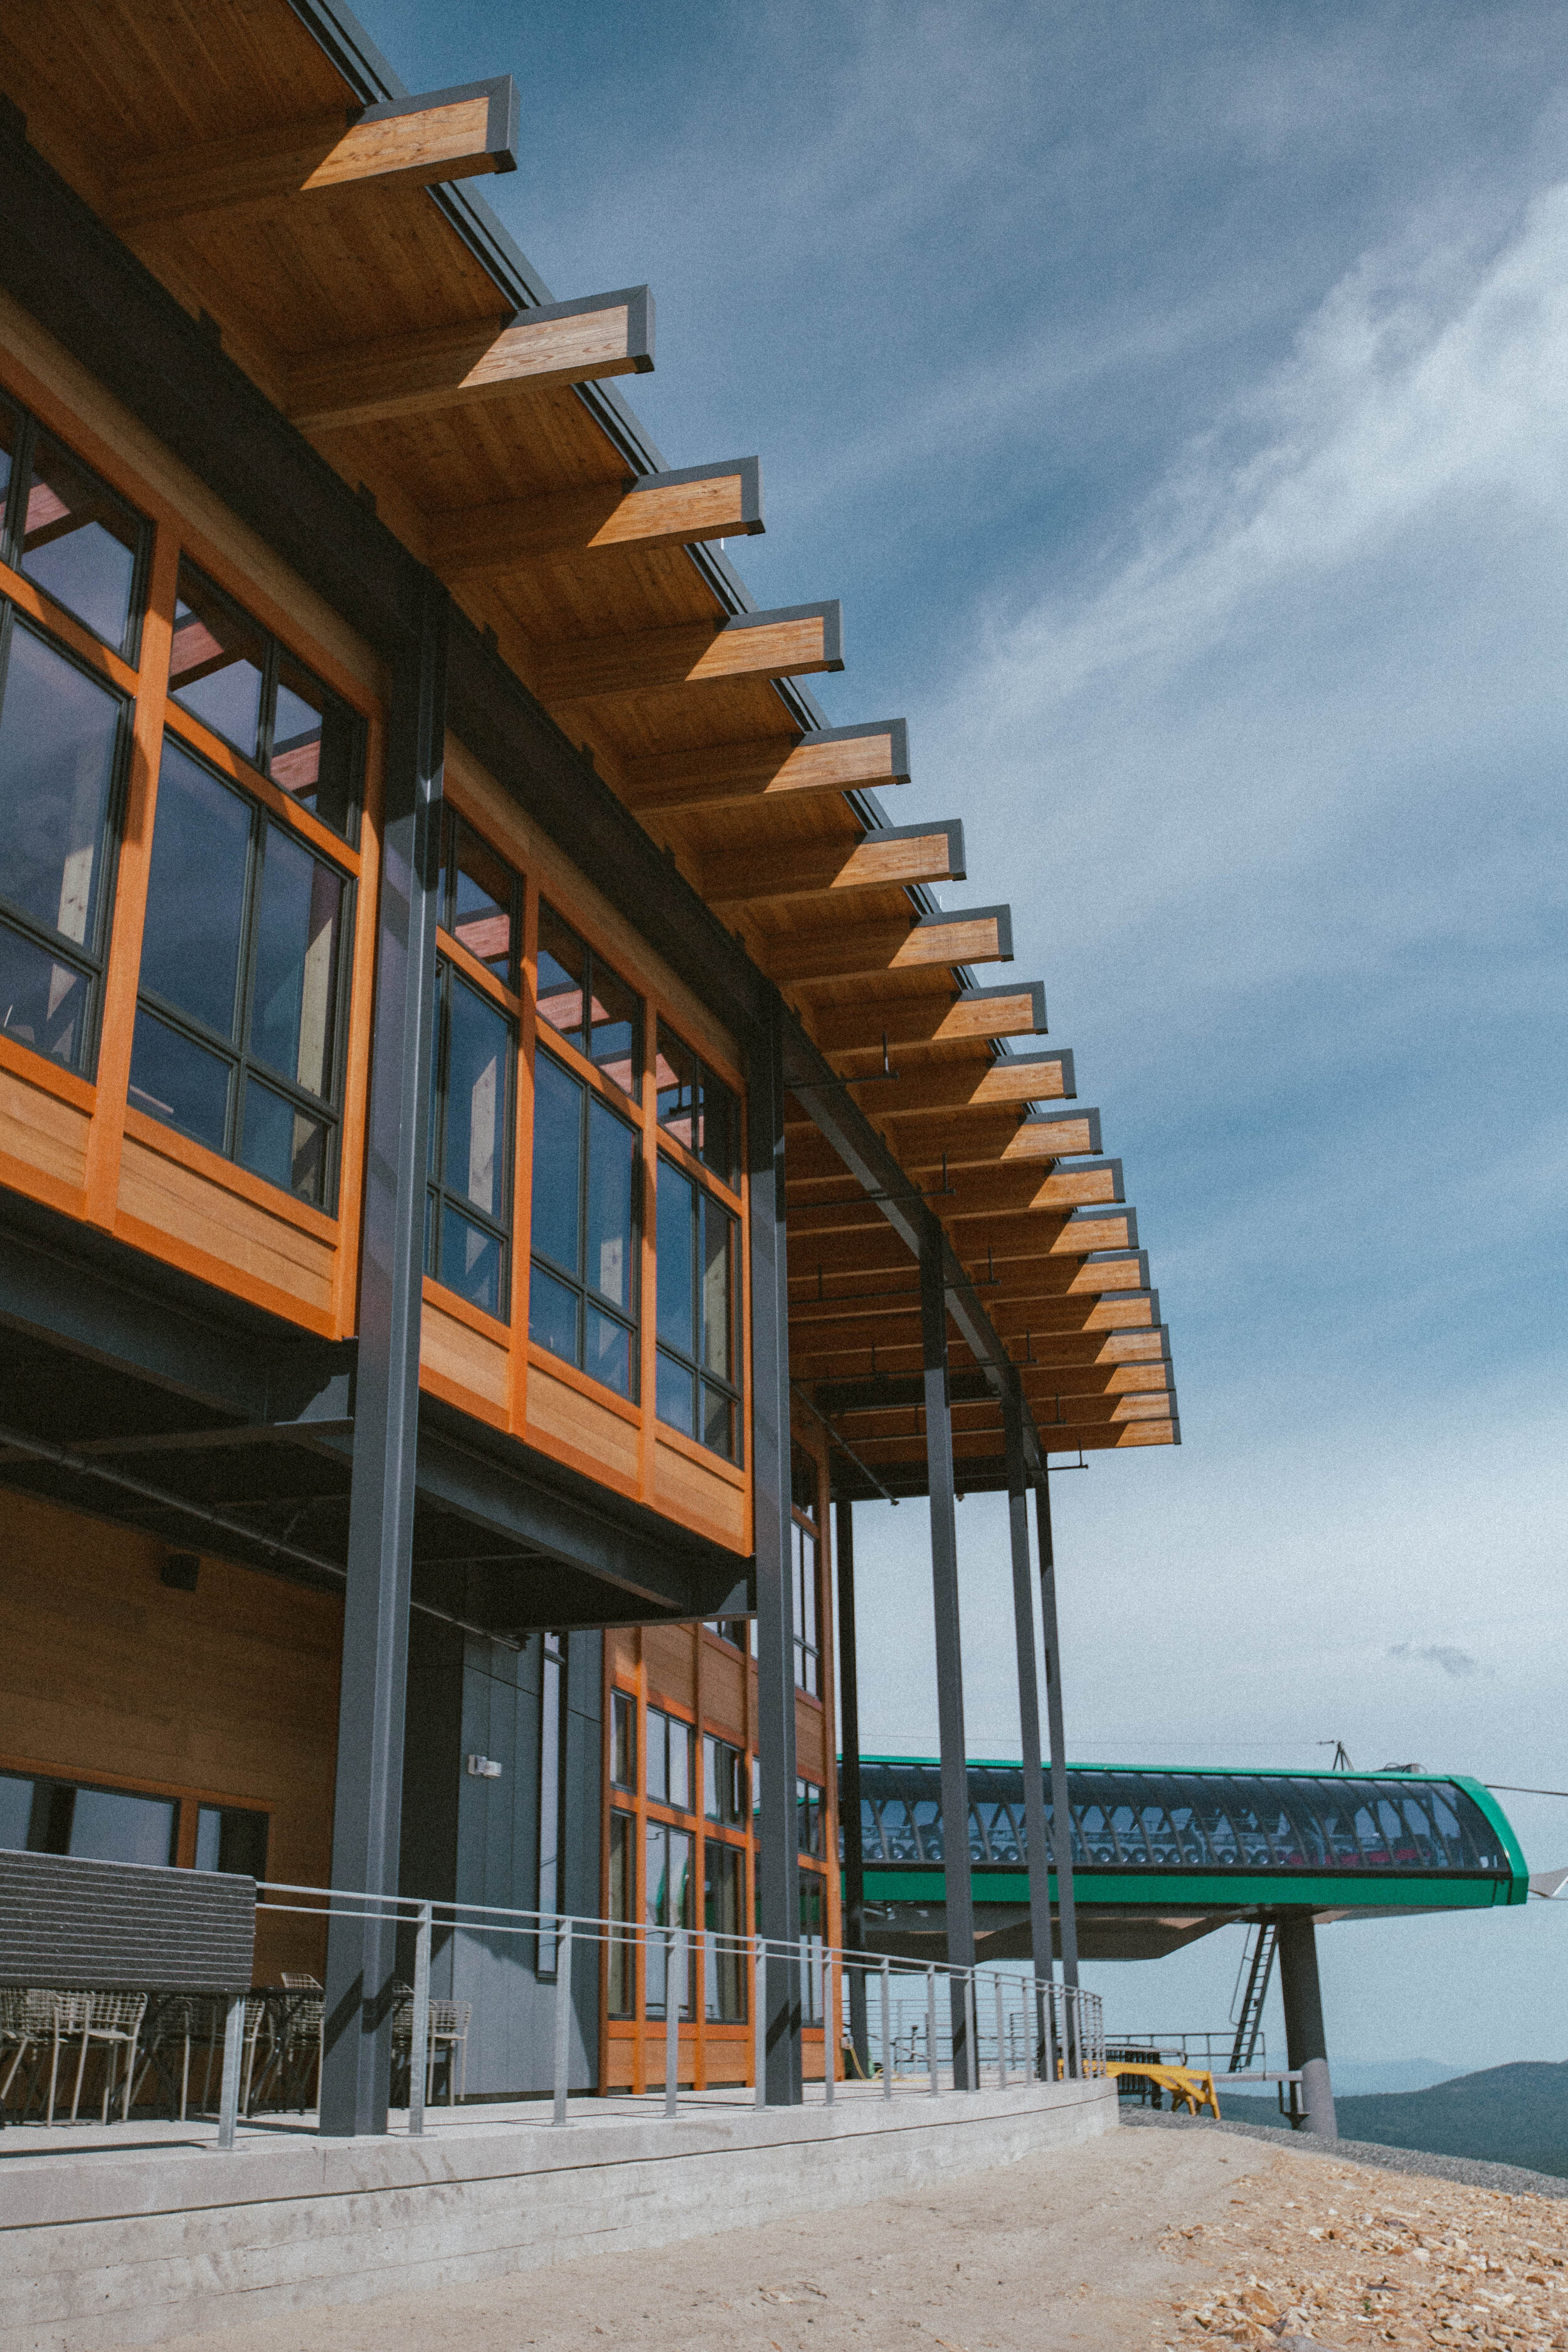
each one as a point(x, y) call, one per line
point(496, 1131)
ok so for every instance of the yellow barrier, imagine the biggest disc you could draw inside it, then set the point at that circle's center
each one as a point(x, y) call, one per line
point(1194, 2090)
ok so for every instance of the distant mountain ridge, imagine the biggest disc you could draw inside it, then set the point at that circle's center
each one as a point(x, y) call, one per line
point(1504, 2114)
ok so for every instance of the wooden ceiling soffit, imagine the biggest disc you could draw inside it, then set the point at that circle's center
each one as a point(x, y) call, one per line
point(967, 935)
point(791, 642)
point(898, 1349)
point(1015, 1008)
point(1097, 1391)
point(829, 760)
point(441, 367)
point(673, 510)
point(817, 1323)
point(955, 1085)
point(1019, 1192)
point(444, 134)
point(893, 857)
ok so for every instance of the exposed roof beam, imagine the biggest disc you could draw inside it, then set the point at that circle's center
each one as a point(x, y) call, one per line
point(1014, 1008)
point(816, 1323)
point(1097, 1391)
point(439, 367)
point(977, 1138)
point(444, 134)
point(791, 642)
point(1017, 1079)
point(1038, 1282)
point(897, 857)
point(832, 759)
point(1015, 1191)
point(672, 509)
point(845, 1349)
point(967, 935)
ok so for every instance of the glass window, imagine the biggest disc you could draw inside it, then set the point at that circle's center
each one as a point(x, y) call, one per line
point(242, 958)
point(623, 1739)
point(583, 1294)
point(698, 1380)
point(737, 1631)
point(16, 1794)
point(813, 1910)
point(78, 541)
point(228, 1838)
point(63, 738)
point(669, 1761)
point(583, 1001)
point(229, 672)
point(697, 1108)
point(666, 1903)
point(724, 1918)
point(807, 1627)
point(622, 1970)
point(808, 1817)
point(467, 1223)
point(723, 1782)
point(480, 900)
point(552, 1791)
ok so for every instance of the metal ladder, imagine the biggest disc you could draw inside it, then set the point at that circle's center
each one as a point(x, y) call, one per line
point(1258, 1962)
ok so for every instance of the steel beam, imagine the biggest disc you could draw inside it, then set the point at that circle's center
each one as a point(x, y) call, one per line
point(1061, 1817)
point(1036, 1852)
point(1305, 2043)
point(956, 1864)
point(853, 1933)
point(778, 1864)
point(356, 2049)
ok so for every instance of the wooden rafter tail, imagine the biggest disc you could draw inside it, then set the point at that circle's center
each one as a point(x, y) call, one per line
point(953, 1085)
point(897, 857)
point(1020, 1190)
point(673, 510)
point(440, 367)
point(446, 135)
point(933, 1020)
point(792, 642)
point(832, 759)
point(969, 935)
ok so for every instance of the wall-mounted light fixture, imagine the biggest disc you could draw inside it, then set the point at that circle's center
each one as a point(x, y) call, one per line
point(180, 1571)
point(484, 1768)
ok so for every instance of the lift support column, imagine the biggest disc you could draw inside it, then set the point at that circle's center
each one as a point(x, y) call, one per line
point(1036, 1850)
point(956, 1864)
point(1305, 2043)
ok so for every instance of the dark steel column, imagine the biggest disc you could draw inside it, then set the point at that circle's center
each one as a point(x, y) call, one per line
point(956, 1864)
point(778, 1861)
point(1037, 1851)
point(1061, 1819)
point(367, 1805)
point(849, 1774)
point(1305, 2043)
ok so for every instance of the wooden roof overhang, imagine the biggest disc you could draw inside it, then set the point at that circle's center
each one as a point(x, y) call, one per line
point(269, 168)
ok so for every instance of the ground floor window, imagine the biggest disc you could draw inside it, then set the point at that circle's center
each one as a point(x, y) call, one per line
point(666, 1903)
point(43, 1815)
point(724, 1918)
point(622, 1971)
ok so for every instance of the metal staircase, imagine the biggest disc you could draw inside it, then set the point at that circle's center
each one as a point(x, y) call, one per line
point(1247, 2007)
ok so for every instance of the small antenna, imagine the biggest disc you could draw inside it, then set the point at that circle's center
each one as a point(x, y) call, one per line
point(1341, 1763)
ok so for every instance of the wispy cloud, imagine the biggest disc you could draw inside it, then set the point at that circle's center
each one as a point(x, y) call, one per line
point(1457, 1664)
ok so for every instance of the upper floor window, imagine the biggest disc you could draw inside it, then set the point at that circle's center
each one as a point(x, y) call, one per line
point(66, 531)
point(467, 1217)
point(244, 970)
point(582, 1292)
point(480, 900)
point(724, 1790)
point(803, 1563)
point(65, 735)
point(623, 1739)
point(583, 1001)
point(669, 1761)
point(699, 1389)
point(229, 672)
point(697, 1108)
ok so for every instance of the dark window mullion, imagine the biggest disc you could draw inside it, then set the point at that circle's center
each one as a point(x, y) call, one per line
point(17, 489)
point(244, 1009)
point(267, 717)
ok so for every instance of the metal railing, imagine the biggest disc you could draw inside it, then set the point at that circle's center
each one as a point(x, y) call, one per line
point(1207, 2051)
point(921, 2019)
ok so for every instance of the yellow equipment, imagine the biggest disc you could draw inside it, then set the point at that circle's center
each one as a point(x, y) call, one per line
point(1194, 2090)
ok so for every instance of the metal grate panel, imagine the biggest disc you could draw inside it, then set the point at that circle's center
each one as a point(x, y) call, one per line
point(118, 1926)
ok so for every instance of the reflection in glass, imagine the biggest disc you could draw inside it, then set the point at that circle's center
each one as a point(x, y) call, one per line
point(479, 1054)
point(557, 1162)
point(79, 541)
point(218, 665)
point(588, 1229)
point(314, 751)
point(622, 1971)
point(296, 962)
point(674, 1394)
point(283, 1144)
point(59, 730)
point(195, 893)
point(666, 1903)
point(695, 1107)
point(724, 1918)
point(472, 1262)
point(10, 432)
point(43, 1003)
point(675, 1243)
point(480, 899)
point(16, 1794)
point(176, 1080)
point(553, 1315)
point(612, 1181)
point(583, 1001)
point(108, 1825)
point(562, 962)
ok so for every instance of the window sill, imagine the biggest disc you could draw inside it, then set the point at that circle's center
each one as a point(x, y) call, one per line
point(170, 1144)
point(585, 1383)
point(487, 1326)
point(49, 1077)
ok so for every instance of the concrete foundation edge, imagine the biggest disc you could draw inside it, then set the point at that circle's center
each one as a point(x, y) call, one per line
point(480, 2211)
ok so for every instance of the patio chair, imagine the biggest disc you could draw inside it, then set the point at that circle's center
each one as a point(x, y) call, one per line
point(449, 2031)
point(25, 2020)
point(110, 2021)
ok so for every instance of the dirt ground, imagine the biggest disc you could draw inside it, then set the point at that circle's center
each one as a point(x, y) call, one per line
point(1142, 2240)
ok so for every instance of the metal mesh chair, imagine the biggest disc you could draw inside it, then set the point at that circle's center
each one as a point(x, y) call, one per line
point(449, 2031)
point(110, 2021)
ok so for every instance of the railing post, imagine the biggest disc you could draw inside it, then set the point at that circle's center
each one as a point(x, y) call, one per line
point(233, 2046)
point(672, 1997)
point(886, 2030)
point(931, 2030)
point(562, 2019)
point(760, 2018)
point(970, 2036)
point(1001, 2037)
point(420, 2027)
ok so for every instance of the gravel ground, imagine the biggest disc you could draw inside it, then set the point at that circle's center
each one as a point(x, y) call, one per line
point(1511, 2180)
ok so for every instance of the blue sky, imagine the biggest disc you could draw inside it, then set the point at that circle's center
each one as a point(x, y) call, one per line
point(1176, 398)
